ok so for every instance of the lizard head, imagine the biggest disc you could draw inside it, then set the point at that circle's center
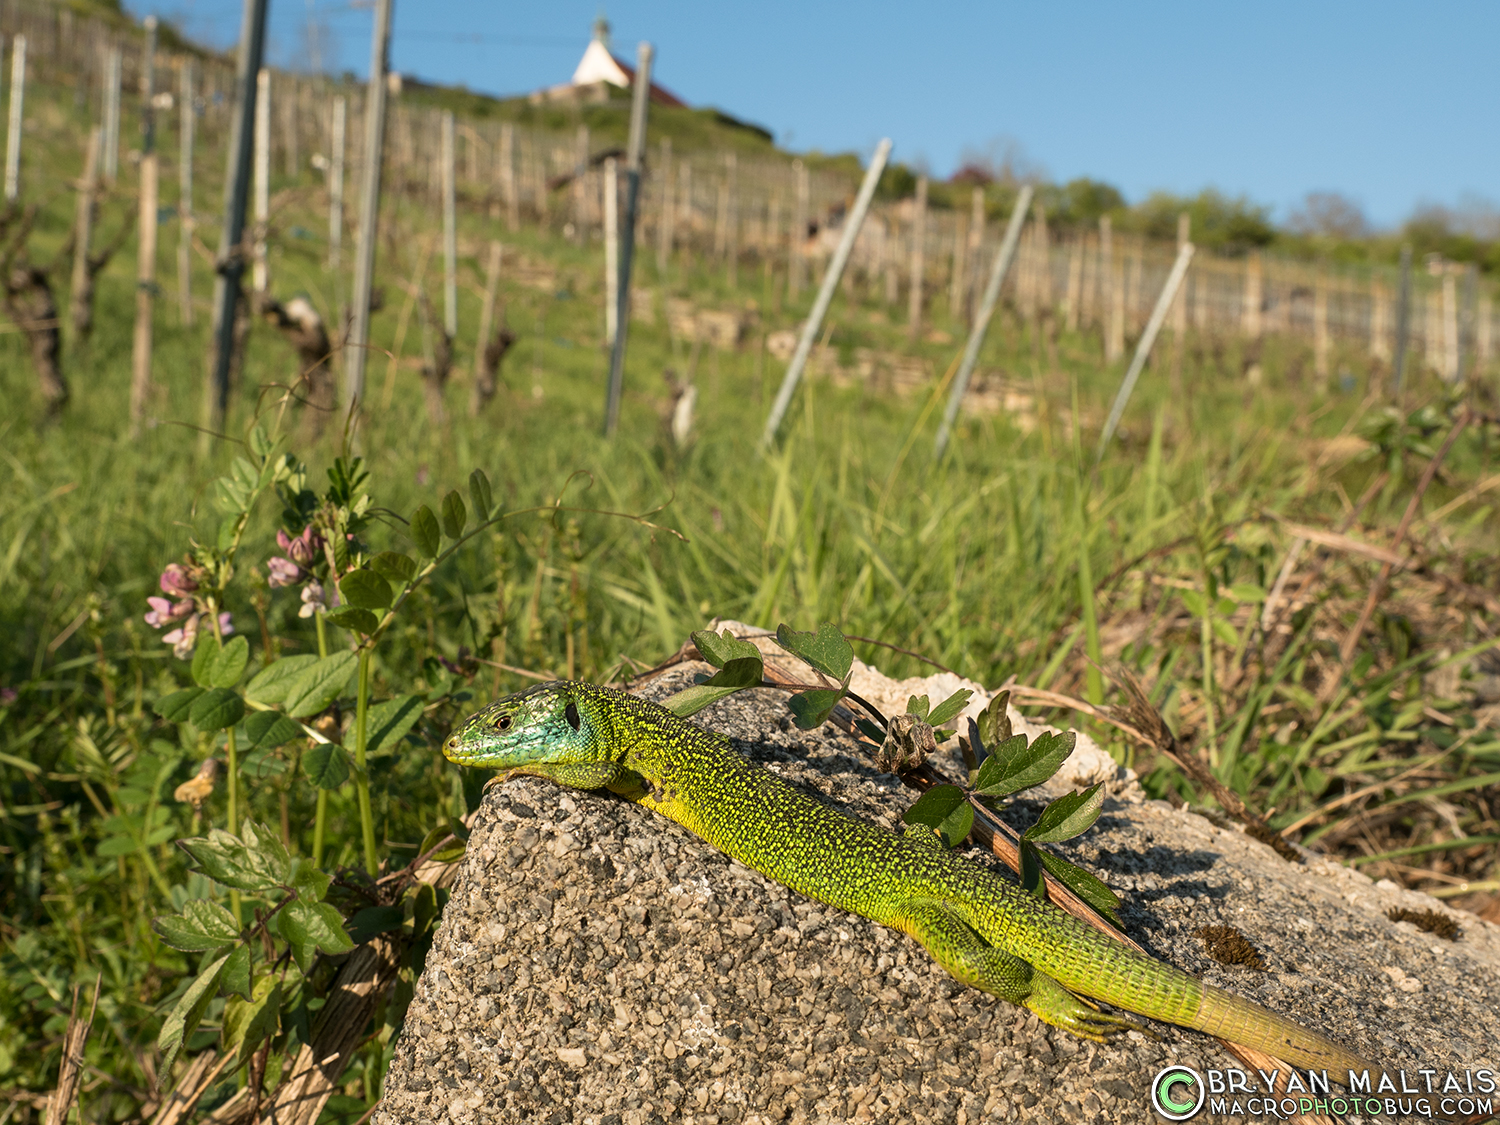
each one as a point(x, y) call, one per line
point(550, 724)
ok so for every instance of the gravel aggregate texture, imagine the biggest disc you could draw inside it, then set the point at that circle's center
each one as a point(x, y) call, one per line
point(598, 964)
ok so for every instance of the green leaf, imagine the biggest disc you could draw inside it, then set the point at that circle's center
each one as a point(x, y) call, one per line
point(946, 809)
point(994, 722)
point(269, 729)
point(319, 684)
point(479, 493)
point(248, 1023)
point(326, 765)
point(742, 671)
point(1068, 816)
point(182, 1021)
point(386, 723)
point(243, 862)
point(205, 652)
point(949, 707)
point(395, 567)
point(308, 881)
point(455, 516)
point(1247, 592)
point(1014, 766)
point(201, 926)
point(175, 707)
point(826, 650)
point(870, 731)
point(365, 589)
point(1083, 884)
point(451, 851)
point(236, 974)
point(354, 619)
point(424, 532)
point(311, 926)
point(918, 705)
point(1194, 601)
point(272, 682)
point(217, 709)
point(229, 663)
point(1031, 870)
point(113, 846)
point(691, 700)
point(810, 709)
point(719, 649)
point(374, 920)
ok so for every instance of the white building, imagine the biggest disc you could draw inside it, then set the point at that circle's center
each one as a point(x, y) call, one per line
point(598, 70)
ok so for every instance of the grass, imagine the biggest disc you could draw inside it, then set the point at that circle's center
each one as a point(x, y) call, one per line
point(1008, 559)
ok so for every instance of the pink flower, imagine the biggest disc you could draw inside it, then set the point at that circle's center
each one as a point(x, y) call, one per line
point(302, 549)
point(177, 581)
point(183, 639)
point(8, 695)
point(284, 572)
point(164, 613)
point(312, 600)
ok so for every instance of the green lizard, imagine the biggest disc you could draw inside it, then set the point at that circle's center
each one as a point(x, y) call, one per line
point(986, 931)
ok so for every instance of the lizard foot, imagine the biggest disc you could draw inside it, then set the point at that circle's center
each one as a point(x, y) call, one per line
point(1054, 1004)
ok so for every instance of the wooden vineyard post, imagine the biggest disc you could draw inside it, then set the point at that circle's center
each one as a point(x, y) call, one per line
point(1380, 320)
point(483, 388)
point(611, 250)
point(640, 99)
point(338, 130)
point(1042, 278)
point(982, 318)
point(664, 223)
point(187, 120)
point(721, 213)
point(797, 262)
point(1466, 366)
point(1075, 283)
point(258, 278)
point(580, 185)
point(731, 220)
point(1179, 306)
point(1251, 324)
point(450, 231)
point(1112, 280)
point(508, 188)
point(831, 277)
point(959, 270)
point(1143, 349)
point(976, 242)
point(1451, 365)
point(1104, 273)
point(112, 63)
point(13, 126)
point(1403, 319)
point(145, 275)
point(83, 231)
point(369, 213)
point(1321, 346)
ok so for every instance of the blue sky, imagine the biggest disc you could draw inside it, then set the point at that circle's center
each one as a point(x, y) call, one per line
point(1390, 104)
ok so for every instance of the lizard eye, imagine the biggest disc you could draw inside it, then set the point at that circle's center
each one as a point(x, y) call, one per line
point(504, 723)
point(570, 712)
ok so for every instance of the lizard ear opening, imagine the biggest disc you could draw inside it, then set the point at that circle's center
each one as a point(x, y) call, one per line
point(570, 712)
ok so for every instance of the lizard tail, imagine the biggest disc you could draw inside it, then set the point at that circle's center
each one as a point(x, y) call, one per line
point(1245, 1022)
